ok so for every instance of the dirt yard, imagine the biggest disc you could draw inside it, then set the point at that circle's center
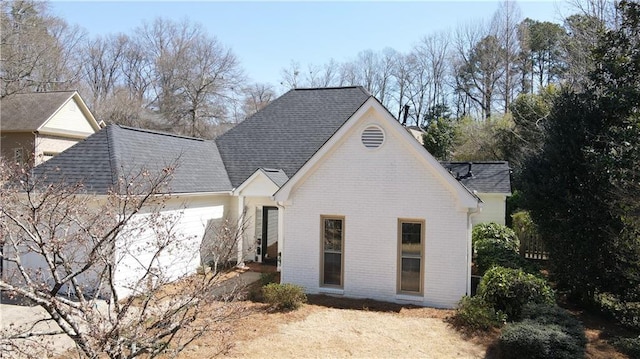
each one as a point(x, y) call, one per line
point(331, 327)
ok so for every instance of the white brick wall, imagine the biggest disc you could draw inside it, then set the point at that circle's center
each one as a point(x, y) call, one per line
point(188, 217)
point(372, 189)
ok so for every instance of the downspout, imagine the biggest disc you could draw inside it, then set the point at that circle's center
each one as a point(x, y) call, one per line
point(280, 206)
point(470, 213)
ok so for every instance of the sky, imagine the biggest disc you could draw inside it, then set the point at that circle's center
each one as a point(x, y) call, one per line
point(268, 36)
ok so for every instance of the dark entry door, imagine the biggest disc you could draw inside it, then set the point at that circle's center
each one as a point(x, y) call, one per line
point(269, 245)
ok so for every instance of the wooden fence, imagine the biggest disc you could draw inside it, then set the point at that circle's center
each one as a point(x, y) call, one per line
point(532, 247)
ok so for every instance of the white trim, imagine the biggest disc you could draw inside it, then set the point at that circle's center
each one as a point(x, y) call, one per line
point(197, 194)
point(467, 199)
point(64, 133)
point(259, 172)
point(83, 107)
point(331, 291)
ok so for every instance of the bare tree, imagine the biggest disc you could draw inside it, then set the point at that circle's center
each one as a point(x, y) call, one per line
point(291, 75)
point(220, 242)
point(194, 75)
point(401, 76)
point(37, 50)
point(256, 97)
point(505, 22)
point(102, 66)
point(67, 251)
point(430, 74)
point(479, 66)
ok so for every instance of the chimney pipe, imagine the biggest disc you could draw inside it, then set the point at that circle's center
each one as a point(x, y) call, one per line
point(406, 114)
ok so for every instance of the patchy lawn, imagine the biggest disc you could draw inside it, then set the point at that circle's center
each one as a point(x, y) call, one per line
point(335, 327)
point(339, 327)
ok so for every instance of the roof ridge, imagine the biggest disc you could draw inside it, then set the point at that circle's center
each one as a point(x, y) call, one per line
point(326, 88)
point(360, 87)
point(474, 162)
point(144, 130)
point(41, 92)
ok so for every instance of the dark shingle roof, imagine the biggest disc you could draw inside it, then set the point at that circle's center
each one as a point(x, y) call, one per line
point(485, 177)
point(116, 151)
point(287, 132)
point(276, 175)
point(38, 105)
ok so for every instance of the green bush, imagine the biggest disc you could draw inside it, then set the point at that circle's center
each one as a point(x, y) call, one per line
point(552, 314)
point(268, 278)
point(629, 346)
point(490, 253)
point(508, 290)
point(532, 340)
point(496, 233)
point(473, 313)
point(625, 313)
point(496, 245)
point(284, 296)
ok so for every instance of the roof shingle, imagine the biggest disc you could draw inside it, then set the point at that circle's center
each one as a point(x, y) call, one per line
point(38, 105)
point(120, 152)
point(287, 132)
point(484, 177)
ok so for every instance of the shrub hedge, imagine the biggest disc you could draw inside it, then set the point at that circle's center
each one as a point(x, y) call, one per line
point(490, 253)
point(474, 314)
point(496, 245)
point(496, 233)
point(546, 331)
point(625, 313)
point(284, 296)
point(629, 346)
point(508, 290)
point(531, 340)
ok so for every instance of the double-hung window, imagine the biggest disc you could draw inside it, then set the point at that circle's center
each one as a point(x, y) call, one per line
point(410, 256)
point(332, 261)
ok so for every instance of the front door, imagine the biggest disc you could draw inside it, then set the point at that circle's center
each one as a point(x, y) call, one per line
point(269, 243)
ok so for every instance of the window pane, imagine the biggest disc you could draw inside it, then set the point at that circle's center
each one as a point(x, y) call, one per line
point(410, 275)
point(411, 239)
point(332, 268)
point(333, 235)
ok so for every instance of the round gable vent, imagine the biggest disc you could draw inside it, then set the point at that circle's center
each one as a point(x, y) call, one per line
point(372, 137)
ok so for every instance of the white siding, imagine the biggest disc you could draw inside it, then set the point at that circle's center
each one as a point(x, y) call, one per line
point(69, 118)
point(190, 217)
point(493, 209)
point(372, 189)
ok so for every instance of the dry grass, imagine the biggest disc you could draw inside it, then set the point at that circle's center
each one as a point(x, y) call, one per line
point(338, 327)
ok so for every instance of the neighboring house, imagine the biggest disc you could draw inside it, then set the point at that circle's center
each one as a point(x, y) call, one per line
point(417, 133)
point(489, 180)
point(37, 126)
point(335, 190)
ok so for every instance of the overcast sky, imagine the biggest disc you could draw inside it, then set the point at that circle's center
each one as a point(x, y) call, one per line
point(267, 36)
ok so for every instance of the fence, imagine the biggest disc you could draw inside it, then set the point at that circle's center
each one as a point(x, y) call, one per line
point(532, 247)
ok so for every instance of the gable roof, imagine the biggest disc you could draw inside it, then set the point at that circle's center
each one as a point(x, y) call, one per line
point(288, 131)
point(483, 177)
point(467, 198)
point(27, 112)
point(118, 151)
